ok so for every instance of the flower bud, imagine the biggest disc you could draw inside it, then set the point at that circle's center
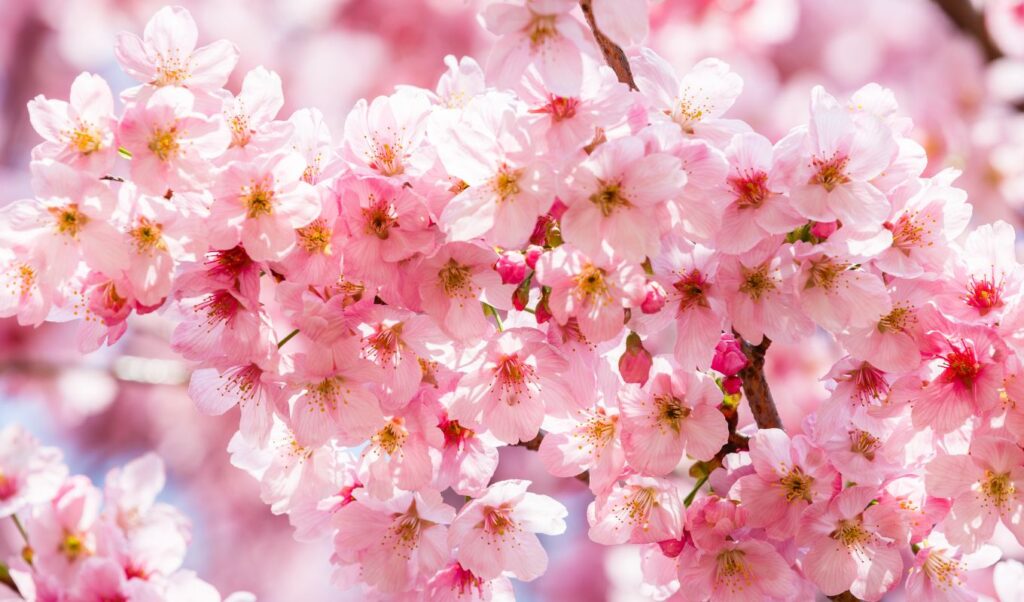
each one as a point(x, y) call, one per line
point(543, 312)
point(672, 547)
point(729, 357)
point(654, 300)
point(824, 229)
point(732, 385)
point(533, 253)
point(521, 296)
point(511, 266)
point(635, 363)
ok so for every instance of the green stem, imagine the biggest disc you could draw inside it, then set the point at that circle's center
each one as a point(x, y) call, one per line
point(21, 528)
point(488, 309)
point(5, 578)
point(287, 338)
point(124, 152)
point(696, 488)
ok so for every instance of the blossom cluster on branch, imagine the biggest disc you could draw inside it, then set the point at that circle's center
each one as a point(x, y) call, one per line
point(81, 543)
point(587, 260)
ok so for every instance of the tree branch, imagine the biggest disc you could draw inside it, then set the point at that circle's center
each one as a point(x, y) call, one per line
point(971, 23)
point(613, 54)
point(755, 387)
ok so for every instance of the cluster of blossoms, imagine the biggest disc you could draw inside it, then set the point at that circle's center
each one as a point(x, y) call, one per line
point(552, 253)
point(86, 544)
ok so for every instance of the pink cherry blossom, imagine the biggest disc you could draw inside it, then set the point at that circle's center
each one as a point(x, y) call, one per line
point(261, 205)
point(171, 143)
point(617, 204)
point(671, 417)
point(852, 545)
point(984, 487)
point(518, 380)
point(789, 475)
point(455, 280)
point(80, 131)
point(166, 55)
point(29, 473)
point(593, 292)
point(496, 532)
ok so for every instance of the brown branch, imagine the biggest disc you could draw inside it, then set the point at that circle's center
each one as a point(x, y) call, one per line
point(613, 54)
point(755, 387)
point(972, 23)
point(845, 597)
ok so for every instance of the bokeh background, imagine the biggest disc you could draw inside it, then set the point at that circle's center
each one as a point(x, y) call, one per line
point(954, 66)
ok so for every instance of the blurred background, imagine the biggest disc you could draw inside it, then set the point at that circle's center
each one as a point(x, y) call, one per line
point(956, 69)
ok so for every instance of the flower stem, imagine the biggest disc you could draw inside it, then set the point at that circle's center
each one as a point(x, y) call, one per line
point(489, 309)
point(693, 494)
point(287, 338)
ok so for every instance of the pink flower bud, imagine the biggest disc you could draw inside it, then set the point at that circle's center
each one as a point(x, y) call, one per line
point(521, 296)
point(732, 385)
point(654, 300)
point(729, 358)
point(635, 363)
point(672, 547)
point(533, 253)
point(511, 266)
point(543, 312)
point(824, 229)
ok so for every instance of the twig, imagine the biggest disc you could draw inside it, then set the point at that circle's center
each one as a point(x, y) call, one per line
point(971, 23)
point(845, 597)
point(613, 54)
point(287, 338)
point(755, 387)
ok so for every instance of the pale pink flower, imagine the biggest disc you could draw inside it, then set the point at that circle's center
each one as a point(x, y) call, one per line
point(63, 531)
point(386, 224)
point(468, 459)
point(159, 235)
point(463, 80)
point(508, 186)
point(676, 414)
point(254, 386)
point(386, 137)
point(166, 55)
point(836, 292)
point(590, 443)
point(985, 277)
point(760, 292)
point(455, 282)
point(317, 256)
point(399, 343)
point(29, 473)
point(986, 486)
point(637, 510)
point(695, 303)
point(891, 344)
point(218, 322)
point(853, 545)
point(496, 532)
point(516, 380)
point(695, 102)
point(869, 454)
point(251, 114)
point(917, 238)
point(940, 571)
point(456, 584)
point(744, 570)
point(399, 452)
point(261, 204)
point(593, 292)
point(541, 32)
point(967, 385)
point(834, 163)
point(617, 200)
point(789, 475)
point(335, 399)
point(569, 123)
point(311, 138)
point(79, 132)
point(71, 221)
point(398, 543)
point(24, 290)
point(171, 144)
point(758, 207)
